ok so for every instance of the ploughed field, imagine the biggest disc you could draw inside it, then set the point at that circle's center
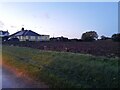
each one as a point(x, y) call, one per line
point(106, 48)
point(63, 69)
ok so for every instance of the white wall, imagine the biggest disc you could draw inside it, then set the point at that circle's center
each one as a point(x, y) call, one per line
point(34, 38)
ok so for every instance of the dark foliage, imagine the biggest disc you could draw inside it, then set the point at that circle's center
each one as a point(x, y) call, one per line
point(116, 37)
point(59, 39)
point(104, 37)
point(75, 40)
point(89, 36)
point(5, 38)
point(14, 39)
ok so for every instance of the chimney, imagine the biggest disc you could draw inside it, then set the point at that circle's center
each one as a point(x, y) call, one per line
point(22, 29)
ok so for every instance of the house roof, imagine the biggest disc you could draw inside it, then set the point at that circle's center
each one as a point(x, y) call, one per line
point(3, 32)
point(25, 33)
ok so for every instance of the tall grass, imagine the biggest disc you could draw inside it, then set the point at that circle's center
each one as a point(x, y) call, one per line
point(63, 69)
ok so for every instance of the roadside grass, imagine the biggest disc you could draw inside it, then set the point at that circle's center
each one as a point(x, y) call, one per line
point(64, 69)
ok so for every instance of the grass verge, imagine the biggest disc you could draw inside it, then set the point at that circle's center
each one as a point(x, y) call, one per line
point(63, 69)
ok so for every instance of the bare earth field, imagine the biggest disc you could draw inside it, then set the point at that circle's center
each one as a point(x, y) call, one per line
point(106, 48)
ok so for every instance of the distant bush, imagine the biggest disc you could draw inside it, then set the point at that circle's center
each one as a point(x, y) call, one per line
point(75, 40)
point(89, 36)
point(13, 39)
point(116, 37)
point(104, 37)
point(63, 39)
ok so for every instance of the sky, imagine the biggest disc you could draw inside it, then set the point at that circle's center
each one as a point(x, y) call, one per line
point(68, 19)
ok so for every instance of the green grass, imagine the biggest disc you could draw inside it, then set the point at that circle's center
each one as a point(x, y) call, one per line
point(63, 69)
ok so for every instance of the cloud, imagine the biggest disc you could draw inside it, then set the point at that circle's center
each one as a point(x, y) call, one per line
point(13, 26)
point(42, 15)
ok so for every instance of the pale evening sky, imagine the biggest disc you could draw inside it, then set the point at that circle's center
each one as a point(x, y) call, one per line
point(69, 19)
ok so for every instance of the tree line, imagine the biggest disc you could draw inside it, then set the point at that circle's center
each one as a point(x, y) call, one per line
point(87, 36)
point(92, 36)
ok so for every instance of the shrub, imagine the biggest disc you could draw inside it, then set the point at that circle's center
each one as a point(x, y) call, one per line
point(89, 36)
point(116, 37)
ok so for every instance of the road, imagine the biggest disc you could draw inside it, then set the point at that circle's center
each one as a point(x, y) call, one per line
point(10, 80)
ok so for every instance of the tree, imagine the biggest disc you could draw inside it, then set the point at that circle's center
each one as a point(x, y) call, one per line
point(116, 37)
point(89, 36)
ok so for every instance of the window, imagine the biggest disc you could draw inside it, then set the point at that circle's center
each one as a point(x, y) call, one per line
point(32, 37)
point(27, 37)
